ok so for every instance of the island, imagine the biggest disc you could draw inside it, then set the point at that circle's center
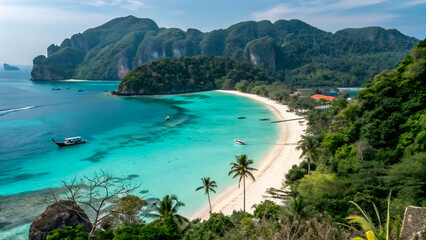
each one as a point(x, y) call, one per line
point(298, 53)
point(190, 74)
point(8, 67)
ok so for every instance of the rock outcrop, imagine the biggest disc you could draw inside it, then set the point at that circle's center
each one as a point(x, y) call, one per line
point(58, 215)
point(414, 224)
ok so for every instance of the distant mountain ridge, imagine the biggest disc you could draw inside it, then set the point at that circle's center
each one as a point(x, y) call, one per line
point(8, 67)
point(293, 51)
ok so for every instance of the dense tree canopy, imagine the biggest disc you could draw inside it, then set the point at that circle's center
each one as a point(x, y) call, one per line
point(373, 144)
point(189, 74)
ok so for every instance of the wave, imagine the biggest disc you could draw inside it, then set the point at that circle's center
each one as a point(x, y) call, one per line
point(6, 111)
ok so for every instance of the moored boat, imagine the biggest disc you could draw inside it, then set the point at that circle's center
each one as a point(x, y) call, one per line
point(239, 141)
point(70, 141)
point(58, 88)
point(264, 119)
point(241, 117)
point(167, 118)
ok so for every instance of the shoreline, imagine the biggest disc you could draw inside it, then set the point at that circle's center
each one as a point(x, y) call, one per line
point(272, 168)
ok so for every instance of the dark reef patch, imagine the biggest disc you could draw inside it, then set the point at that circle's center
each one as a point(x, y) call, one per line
point(20, 177)
point(195, 96)
point(96, 157)
point(22, 208)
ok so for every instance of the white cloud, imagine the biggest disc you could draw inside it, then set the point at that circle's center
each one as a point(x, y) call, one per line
point(412, 3)
point(44, 15)
point(350, 4)
point(28, 30)
point(101, 3)
point(275, 13)
point(330, 15)
point(132, 5)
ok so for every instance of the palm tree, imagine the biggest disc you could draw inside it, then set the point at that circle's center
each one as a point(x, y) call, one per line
point(241, 168)
point(169, 204)
point(297, 207)
point(310, 149)
point(373, 231)
point(208, 186)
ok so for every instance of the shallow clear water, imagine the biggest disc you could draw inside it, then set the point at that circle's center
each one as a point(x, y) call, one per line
point(127, 137)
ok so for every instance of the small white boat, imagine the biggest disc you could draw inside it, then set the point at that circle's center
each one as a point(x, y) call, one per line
point(70, 141)
point(239, 141)
point(167, 118)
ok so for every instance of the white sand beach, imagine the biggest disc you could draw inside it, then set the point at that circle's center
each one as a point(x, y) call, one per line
point(272, 168)
point(73, 80)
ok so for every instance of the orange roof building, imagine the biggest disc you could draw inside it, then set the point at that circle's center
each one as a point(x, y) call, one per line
point(319, 96)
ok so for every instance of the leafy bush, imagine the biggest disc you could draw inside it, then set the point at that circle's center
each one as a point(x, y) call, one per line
point(267, 209)
point(69, 233)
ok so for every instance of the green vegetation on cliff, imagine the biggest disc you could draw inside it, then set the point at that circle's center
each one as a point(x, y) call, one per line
point(189, 74)
point(297, 53)
point(370, 145)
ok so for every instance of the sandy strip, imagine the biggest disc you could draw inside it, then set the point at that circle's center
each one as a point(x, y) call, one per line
point(272, 167)
point(73, 80)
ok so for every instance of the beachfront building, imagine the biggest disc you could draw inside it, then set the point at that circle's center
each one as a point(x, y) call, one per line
point(320, 97)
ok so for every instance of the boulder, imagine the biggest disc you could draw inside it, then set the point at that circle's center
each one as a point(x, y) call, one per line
point(58, 215)
point(414, 224)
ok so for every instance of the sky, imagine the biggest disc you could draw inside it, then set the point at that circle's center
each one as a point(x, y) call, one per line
point(28, 27)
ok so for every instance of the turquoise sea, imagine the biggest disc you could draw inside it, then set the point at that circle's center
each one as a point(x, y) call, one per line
point(126, 137)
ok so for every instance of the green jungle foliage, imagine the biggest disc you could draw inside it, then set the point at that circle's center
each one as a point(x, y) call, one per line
point(295, 52)
point(371, 145)
point(189, 74)
point(271, 222)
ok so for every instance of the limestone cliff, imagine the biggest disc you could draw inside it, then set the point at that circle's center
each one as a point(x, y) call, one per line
point(293, 48)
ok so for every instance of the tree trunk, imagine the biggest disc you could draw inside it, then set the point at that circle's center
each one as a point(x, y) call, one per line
point(92, 233)
point(244, 183)
point(309, 166)
point(95, 223)
point(210, 204)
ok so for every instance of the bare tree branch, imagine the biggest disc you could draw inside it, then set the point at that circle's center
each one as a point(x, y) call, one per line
point(94, 192)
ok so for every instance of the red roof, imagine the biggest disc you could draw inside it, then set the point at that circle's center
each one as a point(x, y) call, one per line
point(319, 96)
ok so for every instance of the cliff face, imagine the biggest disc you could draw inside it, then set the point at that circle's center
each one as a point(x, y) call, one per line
point(110, 51)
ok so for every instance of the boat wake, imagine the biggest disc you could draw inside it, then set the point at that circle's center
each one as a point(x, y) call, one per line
point(6, 111)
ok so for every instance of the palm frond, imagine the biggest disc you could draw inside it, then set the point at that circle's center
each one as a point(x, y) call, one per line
point(365, 215)
point(361, 221)
point(251, 169)
point(251, 176)
point(377, 214)
point(388, 216)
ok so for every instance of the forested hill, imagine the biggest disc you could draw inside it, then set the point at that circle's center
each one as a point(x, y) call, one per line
point(189, 74)
point(367, 147)
point(296, 52)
